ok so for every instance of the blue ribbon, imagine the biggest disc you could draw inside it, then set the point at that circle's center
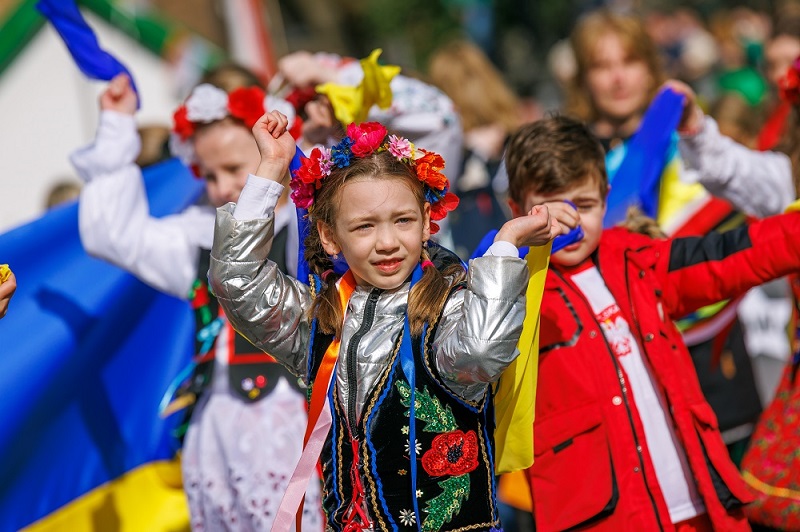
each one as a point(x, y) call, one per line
point(637, 180)
point(407, 364)
point(303, 270)
point(81, 41)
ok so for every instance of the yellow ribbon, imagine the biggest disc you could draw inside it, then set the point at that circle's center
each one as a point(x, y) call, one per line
point(515, 393)
point(352, 104)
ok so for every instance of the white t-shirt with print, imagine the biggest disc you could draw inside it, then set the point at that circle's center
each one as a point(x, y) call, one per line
point(668, 457)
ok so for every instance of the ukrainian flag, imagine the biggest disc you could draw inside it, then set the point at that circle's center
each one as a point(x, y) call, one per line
point(87, 352)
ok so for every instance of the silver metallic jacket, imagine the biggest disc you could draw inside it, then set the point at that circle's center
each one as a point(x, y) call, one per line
point(476, 338)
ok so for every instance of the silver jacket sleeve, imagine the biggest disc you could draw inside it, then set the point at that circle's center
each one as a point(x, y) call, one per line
point(263, 304)
point(477, 336)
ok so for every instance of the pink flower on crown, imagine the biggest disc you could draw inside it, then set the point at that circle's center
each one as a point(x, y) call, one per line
point(400, 147)
point(302, 193)
point(366, 138)
point(325, 161)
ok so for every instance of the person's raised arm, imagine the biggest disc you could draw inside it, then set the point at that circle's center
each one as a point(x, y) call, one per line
point(757, 183)
point(477, 336)
point(113, 212)
point(266, 306)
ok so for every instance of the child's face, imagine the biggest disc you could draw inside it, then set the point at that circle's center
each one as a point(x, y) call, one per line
point(379, 229)
point(226, 153)
point(591, 208)
point(618, 83)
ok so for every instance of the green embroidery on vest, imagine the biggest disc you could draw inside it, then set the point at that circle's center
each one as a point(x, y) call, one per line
point(427, 409)
point(441, 508)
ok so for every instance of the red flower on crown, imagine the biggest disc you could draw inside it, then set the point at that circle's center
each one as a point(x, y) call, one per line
point(447, 203)
point(362, 141)
point(366, 137)
point(315, 168)
point(429, 168)
point(183, 126)
point(247, 104)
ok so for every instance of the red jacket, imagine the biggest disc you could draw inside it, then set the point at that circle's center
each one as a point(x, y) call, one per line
point(592, 467)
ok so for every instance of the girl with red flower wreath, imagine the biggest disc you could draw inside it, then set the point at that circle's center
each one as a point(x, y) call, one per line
point(401, 349)
point(245, 417)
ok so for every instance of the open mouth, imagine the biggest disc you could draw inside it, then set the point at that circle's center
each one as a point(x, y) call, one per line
point(388, 266)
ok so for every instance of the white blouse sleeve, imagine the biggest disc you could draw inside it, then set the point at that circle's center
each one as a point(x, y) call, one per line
point(757, 183)
point(114, 216)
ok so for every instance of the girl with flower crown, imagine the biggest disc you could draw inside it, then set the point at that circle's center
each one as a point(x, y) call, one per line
point(400, 350)
point(246, 415)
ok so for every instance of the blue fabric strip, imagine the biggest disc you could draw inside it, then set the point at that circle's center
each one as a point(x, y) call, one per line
point(407, 363)
point(637, 180)
point(81, 41)
point(303, 270)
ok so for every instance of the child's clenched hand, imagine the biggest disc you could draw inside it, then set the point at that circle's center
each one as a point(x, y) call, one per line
point(276, 145)
point(536, 228)
point(119, 96)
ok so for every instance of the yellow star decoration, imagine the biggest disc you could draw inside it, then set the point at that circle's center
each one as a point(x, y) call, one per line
point(352, 104)
point(404, 430)
point(401, 472)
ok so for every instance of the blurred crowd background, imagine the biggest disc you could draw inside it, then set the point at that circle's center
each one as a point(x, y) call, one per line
point(731, 52)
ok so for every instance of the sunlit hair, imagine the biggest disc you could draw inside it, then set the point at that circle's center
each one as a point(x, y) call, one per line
point(428, 296)
point(552, 155)
point(477, 88)
point(584, 39)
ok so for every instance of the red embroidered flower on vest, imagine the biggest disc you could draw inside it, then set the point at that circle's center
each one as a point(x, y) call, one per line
point(453, 453)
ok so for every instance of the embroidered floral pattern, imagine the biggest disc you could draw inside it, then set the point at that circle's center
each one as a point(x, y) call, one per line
point(417, 448)
point(407, 518)
point(444, 506)
point(427, 409)
point(453, 453)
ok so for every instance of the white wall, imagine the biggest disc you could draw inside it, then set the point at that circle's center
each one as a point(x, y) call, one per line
point(48, 109)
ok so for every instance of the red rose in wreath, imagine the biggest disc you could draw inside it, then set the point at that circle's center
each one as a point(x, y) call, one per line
point(453, 453)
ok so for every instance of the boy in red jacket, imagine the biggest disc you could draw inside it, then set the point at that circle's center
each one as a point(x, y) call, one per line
point(623, 437)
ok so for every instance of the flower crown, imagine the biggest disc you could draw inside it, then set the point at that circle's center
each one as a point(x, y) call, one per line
point(789, 84)
point(208, 103)
point(362, 141)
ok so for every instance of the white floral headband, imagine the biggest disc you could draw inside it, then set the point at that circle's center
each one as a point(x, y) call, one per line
point(208, 103)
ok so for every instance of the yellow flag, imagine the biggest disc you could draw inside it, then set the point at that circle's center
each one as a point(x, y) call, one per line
point(352, 104)
point(515, 393)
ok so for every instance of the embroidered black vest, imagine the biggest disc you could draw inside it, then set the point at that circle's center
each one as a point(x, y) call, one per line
point(251, 372)
point(454, 451)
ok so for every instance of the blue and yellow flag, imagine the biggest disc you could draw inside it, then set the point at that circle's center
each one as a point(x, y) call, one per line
point(87, 352)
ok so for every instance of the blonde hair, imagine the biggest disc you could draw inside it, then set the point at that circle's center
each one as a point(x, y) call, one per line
point(427, 297)
point(637, 221)
point(463, 72)
point(584, 39)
